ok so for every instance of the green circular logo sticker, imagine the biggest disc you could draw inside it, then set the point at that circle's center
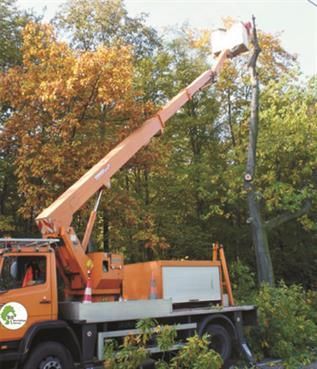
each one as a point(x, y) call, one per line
point(13, 315)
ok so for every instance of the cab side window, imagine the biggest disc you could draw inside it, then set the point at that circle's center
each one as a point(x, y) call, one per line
point(23, 271)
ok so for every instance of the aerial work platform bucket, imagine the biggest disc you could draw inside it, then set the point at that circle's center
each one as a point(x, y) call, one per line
point(235, 39)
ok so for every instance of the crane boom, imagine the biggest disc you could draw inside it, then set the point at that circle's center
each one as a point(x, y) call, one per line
point(60, 213)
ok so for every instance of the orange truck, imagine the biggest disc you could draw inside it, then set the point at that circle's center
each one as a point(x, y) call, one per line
point(59, 303)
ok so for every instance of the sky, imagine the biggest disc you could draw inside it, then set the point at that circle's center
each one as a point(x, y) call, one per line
point(295, 19)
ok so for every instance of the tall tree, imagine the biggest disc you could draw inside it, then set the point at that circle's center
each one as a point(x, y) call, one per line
point(287, 157)
point(263, 257)
point(12, 21)
point(105, 22)
point(59, 102)
point(296, 194)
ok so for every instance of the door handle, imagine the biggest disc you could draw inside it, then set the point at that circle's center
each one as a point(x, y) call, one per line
point(45, 301)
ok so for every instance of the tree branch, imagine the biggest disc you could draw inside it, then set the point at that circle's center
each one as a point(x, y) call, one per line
point(288, 216)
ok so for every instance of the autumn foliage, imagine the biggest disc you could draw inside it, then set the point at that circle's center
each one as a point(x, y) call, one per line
point(65, 107)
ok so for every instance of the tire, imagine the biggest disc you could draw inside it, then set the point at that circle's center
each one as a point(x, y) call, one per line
point(49, 355)
point(220, 340)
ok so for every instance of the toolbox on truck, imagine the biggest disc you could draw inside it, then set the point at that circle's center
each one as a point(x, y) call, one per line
point(182, 281)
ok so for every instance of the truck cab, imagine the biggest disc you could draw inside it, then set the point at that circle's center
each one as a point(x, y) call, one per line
point(28, 293)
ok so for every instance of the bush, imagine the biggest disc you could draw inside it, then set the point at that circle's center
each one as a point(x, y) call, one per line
point(126, 356)
point(243, 283)
point(287, 326)
point(196, 354)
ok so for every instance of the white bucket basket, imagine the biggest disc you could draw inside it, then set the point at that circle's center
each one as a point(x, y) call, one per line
point(235, 39)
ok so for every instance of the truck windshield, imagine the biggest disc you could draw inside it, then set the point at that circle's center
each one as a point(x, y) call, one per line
point(22, 271)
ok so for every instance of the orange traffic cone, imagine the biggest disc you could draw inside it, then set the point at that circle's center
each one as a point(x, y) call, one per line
point(153, 288)
point(87, 294)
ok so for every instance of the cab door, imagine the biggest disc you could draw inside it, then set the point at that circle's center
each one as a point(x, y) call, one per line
point(21, 307)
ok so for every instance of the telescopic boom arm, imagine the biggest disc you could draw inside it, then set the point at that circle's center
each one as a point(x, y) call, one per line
point(60, 213)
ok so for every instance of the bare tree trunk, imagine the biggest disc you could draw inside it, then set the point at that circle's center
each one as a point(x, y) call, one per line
point(259, 233)
point(260, 241)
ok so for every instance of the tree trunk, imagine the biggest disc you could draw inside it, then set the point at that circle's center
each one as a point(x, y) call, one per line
point(259, 233)
point(260, 241)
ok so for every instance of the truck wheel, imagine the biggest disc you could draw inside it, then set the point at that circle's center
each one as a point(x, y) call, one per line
point(49, 355)
point(220, 340)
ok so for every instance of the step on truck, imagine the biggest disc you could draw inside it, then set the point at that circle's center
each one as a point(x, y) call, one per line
point(59, 302)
